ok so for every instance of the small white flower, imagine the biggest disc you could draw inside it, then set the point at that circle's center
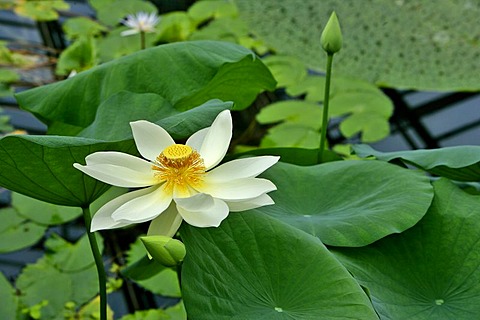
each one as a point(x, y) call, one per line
point(140, 22)
point(179, 182)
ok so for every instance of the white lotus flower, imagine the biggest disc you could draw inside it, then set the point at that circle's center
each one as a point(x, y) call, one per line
point(140, 22)
point(178, 181)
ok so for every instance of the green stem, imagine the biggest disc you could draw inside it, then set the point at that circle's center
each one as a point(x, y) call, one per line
point(102, 278)
point(142, 40)
point(323, 136)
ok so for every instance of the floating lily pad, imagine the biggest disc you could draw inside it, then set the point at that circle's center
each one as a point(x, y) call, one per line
point(423, 45)
point(66, 274)
point(348, 203)
point(287, 70)
point(431, 271)
point(256, 267)
point(16, 232)
point(460, 163)
point(43, 212)
point(8, 298)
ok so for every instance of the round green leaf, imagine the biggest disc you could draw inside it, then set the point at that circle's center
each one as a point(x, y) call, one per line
point(348, 203)
point(82, 26)
point(256, 267)
point(16, 232)
point(431, 271)
point(43, 212)
point(460, 163)
point(42, 281)
point(287, 70)
point(306, 113)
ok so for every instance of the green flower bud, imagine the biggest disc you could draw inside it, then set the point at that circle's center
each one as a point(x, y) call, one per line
point(167, 251)
point(331, 39)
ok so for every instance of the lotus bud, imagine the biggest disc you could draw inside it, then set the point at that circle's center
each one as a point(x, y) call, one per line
point(331, 38)
point(165, 250)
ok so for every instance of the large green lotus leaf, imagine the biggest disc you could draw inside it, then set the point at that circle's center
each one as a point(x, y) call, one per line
point(348, 203)
point(149, 274)
point(16, 232)
point(423, 45)
point(8, 298)
point(114, 114)
point(431, 271)
point(256, 267)
point(460, 163)
point(239, 82)
point(43, 212)
point(46, 280)
point(185, 74)
point(41, 167)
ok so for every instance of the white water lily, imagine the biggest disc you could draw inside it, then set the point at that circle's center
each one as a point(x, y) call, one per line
point(140, 22)
point(178, 181)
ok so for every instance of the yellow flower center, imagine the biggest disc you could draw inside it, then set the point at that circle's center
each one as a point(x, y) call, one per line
point(181, 168)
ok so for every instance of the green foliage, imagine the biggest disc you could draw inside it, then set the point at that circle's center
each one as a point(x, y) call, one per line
point(44, 10)
point(65, 274)
point(150, 274)
point(460, 163)
point(327, 201)
point(176, 312)
point(256, 267)
point(4, 119)
point(288, 71)
point(111, 12)
point(430, 271)
point(42, 212)
point(9, 300)
point(214, 70)
point(17, 232)
point(401, 44)
point(202, 11)
point(42, 167)
point(77, 27)
point(175, 26)
point(79, 56)
point(7, 76)
point(114, 45)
